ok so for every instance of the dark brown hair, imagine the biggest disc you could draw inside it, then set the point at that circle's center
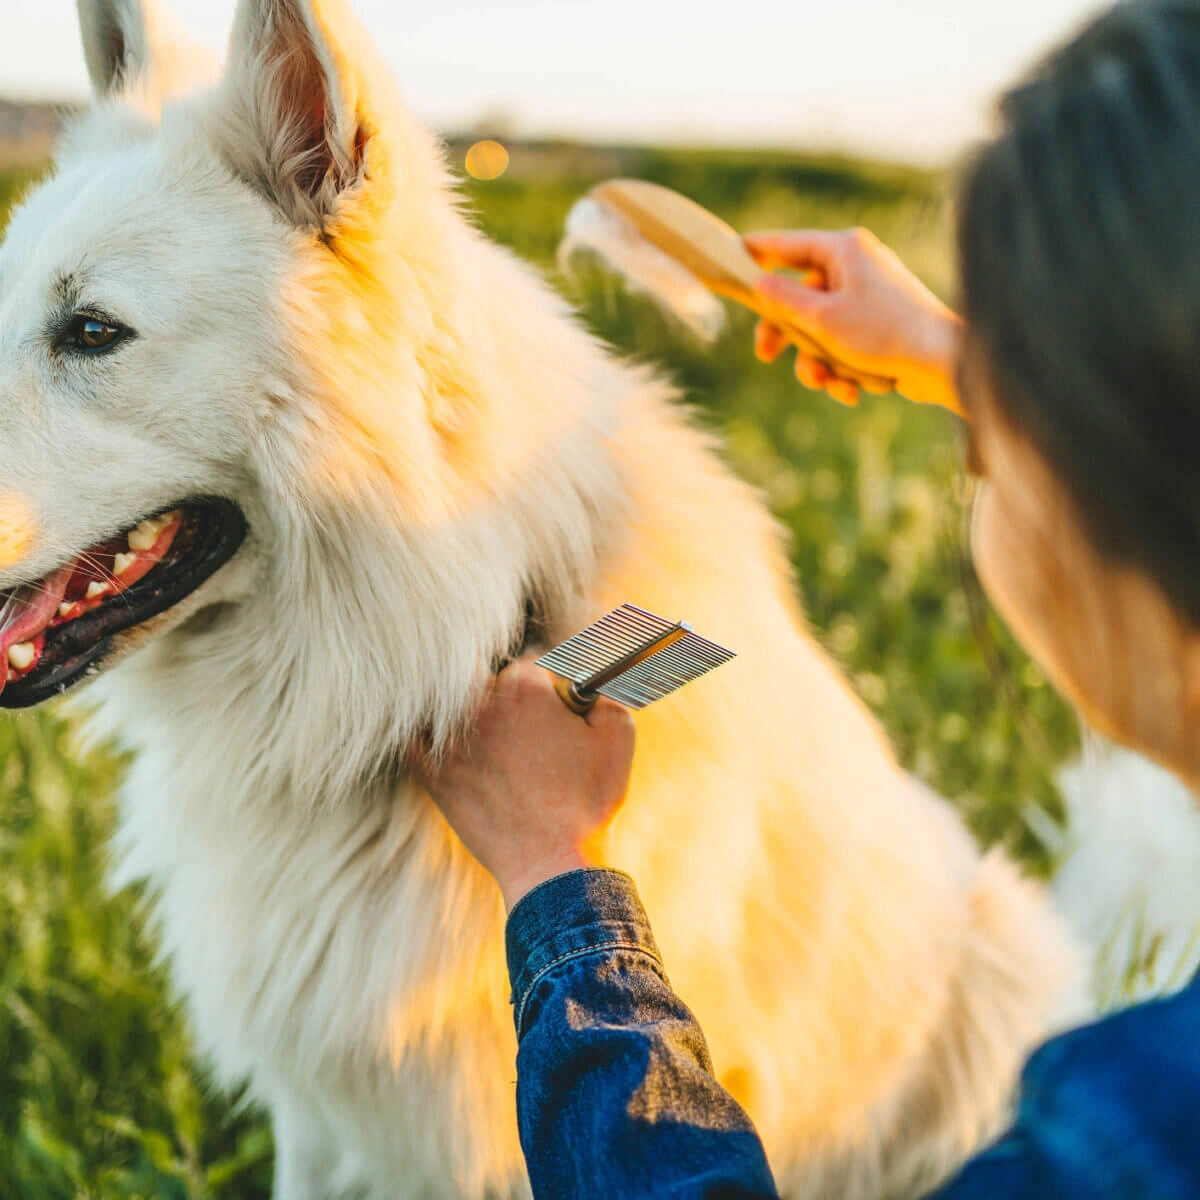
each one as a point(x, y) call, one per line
point(1079, 242)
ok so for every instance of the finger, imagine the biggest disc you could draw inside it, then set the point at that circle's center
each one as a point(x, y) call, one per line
point(522, 670)
point(790, 298)
point(876, 387)
point(795, 248)
point(522, 687)
point(505, 682)
point(843, 391)
point(811, 372)
point(607, 714)
point(769, 341)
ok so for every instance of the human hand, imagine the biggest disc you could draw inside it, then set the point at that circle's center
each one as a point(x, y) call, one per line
point(533, 786)
point(860, 302)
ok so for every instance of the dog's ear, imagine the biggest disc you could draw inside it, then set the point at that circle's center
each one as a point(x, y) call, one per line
point(116, 41)
point(293, 125)
point(136, 43)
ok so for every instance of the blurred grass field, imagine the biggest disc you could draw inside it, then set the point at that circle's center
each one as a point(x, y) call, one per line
point(99, 1094)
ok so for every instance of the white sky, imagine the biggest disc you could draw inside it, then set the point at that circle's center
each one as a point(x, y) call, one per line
point(900, 78)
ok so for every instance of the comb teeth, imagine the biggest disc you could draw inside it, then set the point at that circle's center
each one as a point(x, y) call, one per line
point(588, 657)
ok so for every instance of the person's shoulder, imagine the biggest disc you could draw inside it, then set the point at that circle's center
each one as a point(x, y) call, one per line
point(1116, 1101)
point(1146, 1037)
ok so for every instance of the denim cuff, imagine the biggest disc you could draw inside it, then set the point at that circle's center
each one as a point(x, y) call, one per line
point(582, 912)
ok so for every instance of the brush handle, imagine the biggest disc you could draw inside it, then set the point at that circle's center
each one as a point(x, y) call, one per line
point(577, 701)
point(714, 253)
point(809, 346)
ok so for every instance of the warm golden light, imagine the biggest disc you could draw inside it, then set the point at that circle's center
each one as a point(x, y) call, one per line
point(487, 160)
point(16, 529)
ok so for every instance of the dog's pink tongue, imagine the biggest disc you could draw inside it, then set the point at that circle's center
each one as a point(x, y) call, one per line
point(26, 611)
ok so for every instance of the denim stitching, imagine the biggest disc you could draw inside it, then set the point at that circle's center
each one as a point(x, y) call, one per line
point(593, 948)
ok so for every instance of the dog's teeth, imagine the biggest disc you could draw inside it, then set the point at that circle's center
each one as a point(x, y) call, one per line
point(21, 656)
point(122, 563)
point(144, 536)
point(96, 589)
point(146, 533)
point(66, 608)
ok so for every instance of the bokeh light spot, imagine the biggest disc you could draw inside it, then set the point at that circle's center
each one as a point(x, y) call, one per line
point(487, 160)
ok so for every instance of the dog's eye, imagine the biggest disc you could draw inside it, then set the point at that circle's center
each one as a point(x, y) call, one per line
point(90, 334)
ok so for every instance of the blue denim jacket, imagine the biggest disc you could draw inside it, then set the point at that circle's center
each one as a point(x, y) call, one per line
point(616, 1096)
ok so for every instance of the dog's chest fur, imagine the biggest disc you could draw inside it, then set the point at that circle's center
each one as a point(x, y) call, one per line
point(345, 961)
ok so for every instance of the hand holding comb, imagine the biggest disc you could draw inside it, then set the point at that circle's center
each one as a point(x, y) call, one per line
point(632, 656)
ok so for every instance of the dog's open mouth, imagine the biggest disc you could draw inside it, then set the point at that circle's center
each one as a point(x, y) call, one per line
point(53, 629)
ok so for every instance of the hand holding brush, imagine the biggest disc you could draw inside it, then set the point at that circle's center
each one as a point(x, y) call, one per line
point(858, 318)
point(864, 307)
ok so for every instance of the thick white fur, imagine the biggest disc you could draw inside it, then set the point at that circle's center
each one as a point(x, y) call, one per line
point(421, 437)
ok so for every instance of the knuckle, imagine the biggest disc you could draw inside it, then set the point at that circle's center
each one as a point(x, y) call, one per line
point(861, 238)
point(512, 670)
point(616, 718)
point(524, 678)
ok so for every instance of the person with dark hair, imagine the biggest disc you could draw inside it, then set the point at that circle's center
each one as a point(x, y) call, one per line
point(1077, 362)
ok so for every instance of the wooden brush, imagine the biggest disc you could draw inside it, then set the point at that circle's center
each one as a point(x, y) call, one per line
point(715, 255)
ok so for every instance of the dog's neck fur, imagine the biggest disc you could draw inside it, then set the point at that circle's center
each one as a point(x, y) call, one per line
point(378, 606)
point(425, 467)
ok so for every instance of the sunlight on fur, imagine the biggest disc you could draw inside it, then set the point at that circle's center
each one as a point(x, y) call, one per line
point(16, 529)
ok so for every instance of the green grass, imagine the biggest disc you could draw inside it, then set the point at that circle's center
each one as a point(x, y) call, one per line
point(99, 1094)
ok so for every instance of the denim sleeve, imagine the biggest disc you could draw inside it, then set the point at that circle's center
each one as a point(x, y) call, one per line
point(1106, 1112)
point(1011, 1170)
point(615, 1091)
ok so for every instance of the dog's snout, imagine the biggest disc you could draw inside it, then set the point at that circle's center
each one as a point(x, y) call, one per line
point(16, 529)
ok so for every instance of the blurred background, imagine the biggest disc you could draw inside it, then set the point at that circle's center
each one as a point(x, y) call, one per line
point(781, 115)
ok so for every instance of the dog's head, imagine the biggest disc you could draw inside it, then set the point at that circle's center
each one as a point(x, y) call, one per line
point(159, 297)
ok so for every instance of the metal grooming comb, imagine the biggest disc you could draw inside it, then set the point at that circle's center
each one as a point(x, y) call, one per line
point(632, 656)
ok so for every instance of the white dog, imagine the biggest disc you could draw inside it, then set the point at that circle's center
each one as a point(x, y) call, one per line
point(289, 440)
